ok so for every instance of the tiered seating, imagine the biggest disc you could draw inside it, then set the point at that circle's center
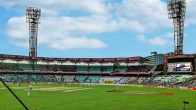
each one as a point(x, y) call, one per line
point(95, 68)
point(49, 78)
point(24, 78)
point(44, 67)
point(123, 80)
point(92, 79)
point(37, 67)
point(80, 78)
point(68, 68)
point(142, 80)
point(51, 67)
point(183, 77)
point(26, 67)
point(58, 78)
point(82, 68)
point(121, 69)
point(142, 68)
point(9, 66)
point(108, 68)
point(37, 78)
point(190, 84)
point(68, 78)
point(131, 80)
point(169, 80)
point(10, 77)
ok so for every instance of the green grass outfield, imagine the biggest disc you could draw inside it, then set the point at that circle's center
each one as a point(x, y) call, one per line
point(96, 98)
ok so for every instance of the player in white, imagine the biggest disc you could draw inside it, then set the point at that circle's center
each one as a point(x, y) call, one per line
point(28, 94)
point(18, 84)
point(30, 87)
point(29, 90)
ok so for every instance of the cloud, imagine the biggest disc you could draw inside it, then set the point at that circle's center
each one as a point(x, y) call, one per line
point(17, 28)
point(54, 36)
point(125, 13)
point(141, 38)
point(146, 14)
point(67, 24)
point(57, 6)
point(163, 40)
point(159, 41)
point(190, 17)
point(70, 43)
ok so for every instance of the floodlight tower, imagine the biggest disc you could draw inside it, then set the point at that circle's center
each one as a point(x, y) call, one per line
point(176, 11)
point(32, 17)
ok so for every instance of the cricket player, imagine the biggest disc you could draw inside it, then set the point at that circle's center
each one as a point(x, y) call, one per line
point(29, 90)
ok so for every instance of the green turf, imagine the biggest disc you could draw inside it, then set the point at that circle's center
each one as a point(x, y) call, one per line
point(96, 99)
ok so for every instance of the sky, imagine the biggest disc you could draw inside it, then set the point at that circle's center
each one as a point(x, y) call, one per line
point(94, 28)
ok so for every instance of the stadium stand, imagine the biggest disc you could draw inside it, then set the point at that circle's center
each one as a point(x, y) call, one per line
point(94, 79)
point(168, 80)
point(9, 66)
point(131, 80)
point(189, 84)
point(80, 78)
point(11, 78)
point(121, 69)
point(58, 78)
point(38, 78)
point(123, 80)
point(68, 78)
point(91, 79)
point(36, 67)
point(25, 67)
point(49, 78)
point(82, 68)
point(68, 68)
point(140, 68)
point(101, 70)
point(24, 78)
point(107, 68)
point(95, 68)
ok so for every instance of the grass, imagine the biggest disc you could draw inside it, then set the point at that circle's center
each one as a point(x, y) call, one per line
point(96, 98)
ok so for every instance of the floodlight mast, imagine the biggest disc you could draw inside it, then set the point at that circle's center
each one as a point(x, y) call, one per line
point(32, 17)
point(176, 11)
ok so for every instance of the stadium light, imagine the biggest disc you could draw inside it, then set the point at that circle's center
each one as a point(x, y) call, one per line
point(176, 11)
point(32, 17)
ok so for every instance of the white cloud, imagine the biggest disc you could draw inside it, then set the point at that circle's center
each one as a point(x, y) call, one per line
point(66, 23)
point(70, 43)
point(159, 41)
point(148, 15)
point(190, 12)
point(141, 38)
point(163, 40)
point(89, 24)
point(125, 14)
point(17, 28)
point(57, 6)
point(55, 36)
